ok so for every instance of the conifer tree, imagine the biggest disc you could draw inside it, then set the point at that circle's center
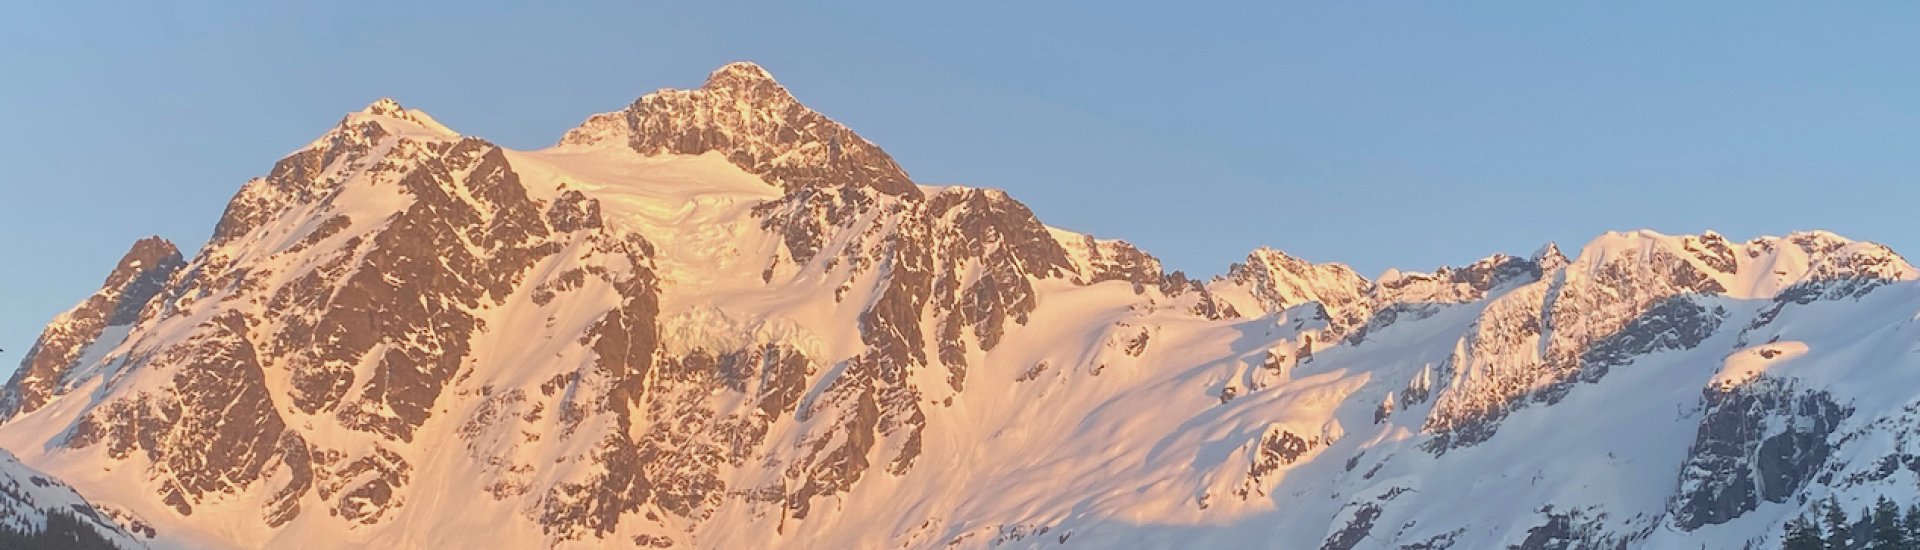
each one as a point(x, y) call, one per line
point(1910, 527)
point(1802, 534)
point(1839, 529)
point(1886, 525)
point(1862, 532)
point(63, 531)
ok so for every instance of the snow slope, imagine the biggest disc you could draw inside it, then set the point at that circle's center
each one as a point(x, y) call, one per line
point(718, 319)
point(28, 497)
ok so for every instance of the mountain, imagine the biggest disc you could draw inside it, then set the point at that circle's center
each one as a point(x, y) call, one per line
point(38, 511)
point(717, 318)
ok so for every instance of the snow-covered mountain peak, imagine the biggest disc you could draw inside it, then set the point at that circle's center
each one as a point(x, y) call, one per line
point(146, 254)
point(1279, 259)
point(1646, 241)
point(1635, 242)
point(1484, 273)
point(392, 119)
point(1549, 257)
point(1271, 281)
point(744, 115)
point(717, 318)
point(740, 75)
point(385, 106)
point(1757, 268)
point(1411, 290)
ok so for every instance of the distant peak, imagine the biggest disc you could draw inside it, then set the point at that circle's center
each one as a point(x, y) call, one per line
point(739, 75)
point(742, 113)
point(1549, 257)
point(1643, 238)
point(1547, 250)
point(1267, 252)
point(146, 254)
point(394, 119)
point(1817, 235)
point(153, 247)
point(385, 106)
point(149, 258)
point(1269, 258)
point(1270, 255)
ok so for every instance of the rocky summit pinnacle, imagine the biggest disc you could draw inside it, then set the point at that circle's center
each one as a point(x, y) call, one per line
point(739, 75)
point(716, 318)
point(140, 276)
point(742, 114)
point(387, 116)
point(385, 106)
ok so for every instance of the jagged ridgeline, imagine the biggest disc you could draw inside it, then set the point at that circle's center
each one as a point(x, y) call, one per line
point(719, 319)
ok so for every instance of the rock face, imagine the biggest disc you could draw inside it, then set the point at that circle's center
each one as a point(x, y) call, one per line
point(1626, 295)
point(717, 318)
point(141, 274)
point(1276, 281)
point(1760, 440)
point(744, 115)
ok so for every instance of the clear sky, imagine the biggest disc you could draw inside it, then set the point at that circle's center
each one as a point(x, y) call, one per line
point(1380, 134)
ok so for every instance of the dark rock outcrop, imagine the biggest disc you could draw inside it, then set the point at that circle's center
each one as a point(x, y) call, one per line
point(141, 274)
point(1763, 439)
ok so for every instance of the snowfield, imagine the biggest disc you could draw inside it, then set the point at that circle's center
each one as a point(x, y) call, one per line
point(717, 319)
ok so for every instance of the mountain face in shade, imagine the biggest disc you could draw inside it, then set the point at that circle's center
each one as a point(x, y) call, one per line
point(719, 319)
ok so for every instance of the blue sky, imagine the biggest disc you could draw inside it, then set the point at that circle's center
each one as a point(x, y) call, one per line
point(1378, 134)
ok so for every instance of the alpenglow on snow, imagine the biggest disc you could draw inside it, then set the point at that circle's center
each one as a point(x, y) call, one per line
point(716, 318)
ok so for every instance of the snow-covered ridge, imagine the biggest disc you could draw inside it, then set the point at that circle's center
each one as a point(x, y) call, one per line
point(34, 503)
point(716, 318)
point(1762, 267)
